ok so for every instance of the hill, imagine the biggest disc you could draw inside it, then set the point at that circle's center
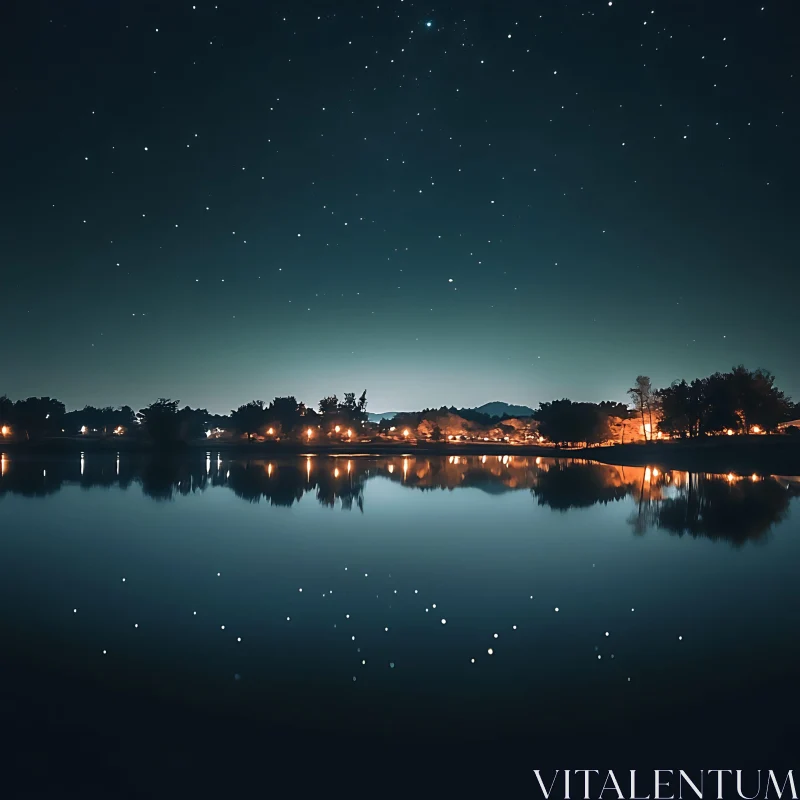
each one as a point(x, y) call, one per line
point(495, 409)
point(498, 409)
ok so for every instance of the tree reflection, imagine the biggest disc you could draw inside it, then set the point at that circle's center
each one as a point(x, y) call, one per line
point(566, 485)
point(717, 507)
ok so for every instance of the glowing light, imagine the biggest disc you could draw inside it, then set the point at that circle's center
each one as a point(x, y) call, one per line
point(83, 429)
point(647, 473)
point(754, 477)
point(309, 433)
point(5, 430)
point(406, 432)
point(349, 433)
point(336, 472)
point(756, 429)
point(731, 477)
point(392, 428)
point(391, 468)
point(655, 472)
point(337, 428)
point(729, 432)
point(490, 651)
point(270, 431)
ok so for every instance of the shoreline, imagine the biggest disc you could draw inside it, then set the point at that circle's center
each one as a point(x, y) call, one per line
point(775, 455)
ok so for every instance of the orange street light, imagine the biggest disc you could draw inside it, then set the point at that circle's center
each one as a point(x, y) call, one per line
point(349, 433)
point(4, 430)
point(309, 433)
point(270, 431)
point(406, 432)
point(337, 428)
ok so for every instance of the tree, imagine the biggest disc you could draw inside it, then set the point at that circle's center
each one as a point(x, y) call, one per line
point(249, 419)
point(285, 412)
point(39, 416)
point(192, 423)
point(757, 400)
point(329, 405)
point(642, 396)
point(564, 422)
point(362, 406)
point(161, 422)
point(6, 410)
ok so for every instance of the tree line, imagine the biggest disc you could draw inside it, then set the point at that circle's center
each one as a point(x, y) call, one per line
point(165, 422)
point(740, 401)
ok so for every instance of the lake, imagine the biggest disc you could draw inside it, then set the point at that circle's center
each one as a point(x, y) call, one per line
point(185, 622)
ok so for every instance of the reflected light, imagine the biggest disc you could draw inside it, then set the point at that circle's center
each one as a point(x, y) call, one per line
point(3, 462)
point(647, 473)
point(269, 470)
point(538, 460)
point(308, 468)
point(655, 472)
point(349, 466)
point(309, 433)
point(336, 472)
point(391, 468)
point(405, 468)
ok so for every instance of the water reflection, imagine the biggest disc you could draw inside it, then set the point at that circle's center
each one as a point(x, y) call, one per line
point(730, 507)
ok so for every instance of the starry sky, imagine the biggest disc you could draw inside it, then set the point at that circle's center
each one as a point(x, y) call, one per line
point(453, 204)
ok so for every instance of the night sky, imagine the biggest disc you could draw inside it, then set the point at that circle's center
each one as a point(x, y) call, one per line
point(225, 201)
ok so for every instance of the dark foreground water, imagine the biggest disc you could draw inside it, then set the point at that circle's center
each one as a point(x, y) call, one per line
point(174, 628)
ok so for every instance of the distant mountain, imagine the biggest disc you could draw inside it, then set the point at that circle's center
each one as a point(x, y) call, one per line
point(498, 409)
point(384, 415)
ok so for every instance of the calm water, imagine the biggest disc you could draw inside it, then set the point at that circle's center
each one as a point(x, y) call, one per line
point(208, 617)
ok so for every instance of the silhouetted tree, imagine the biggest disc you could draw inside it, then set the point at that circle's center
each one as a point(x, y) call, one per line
point(564, 422)
point(251, 418)
point(285, 412)
point(38, 416)
point(329, 405)
point(642, 396)
point(160, 421)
